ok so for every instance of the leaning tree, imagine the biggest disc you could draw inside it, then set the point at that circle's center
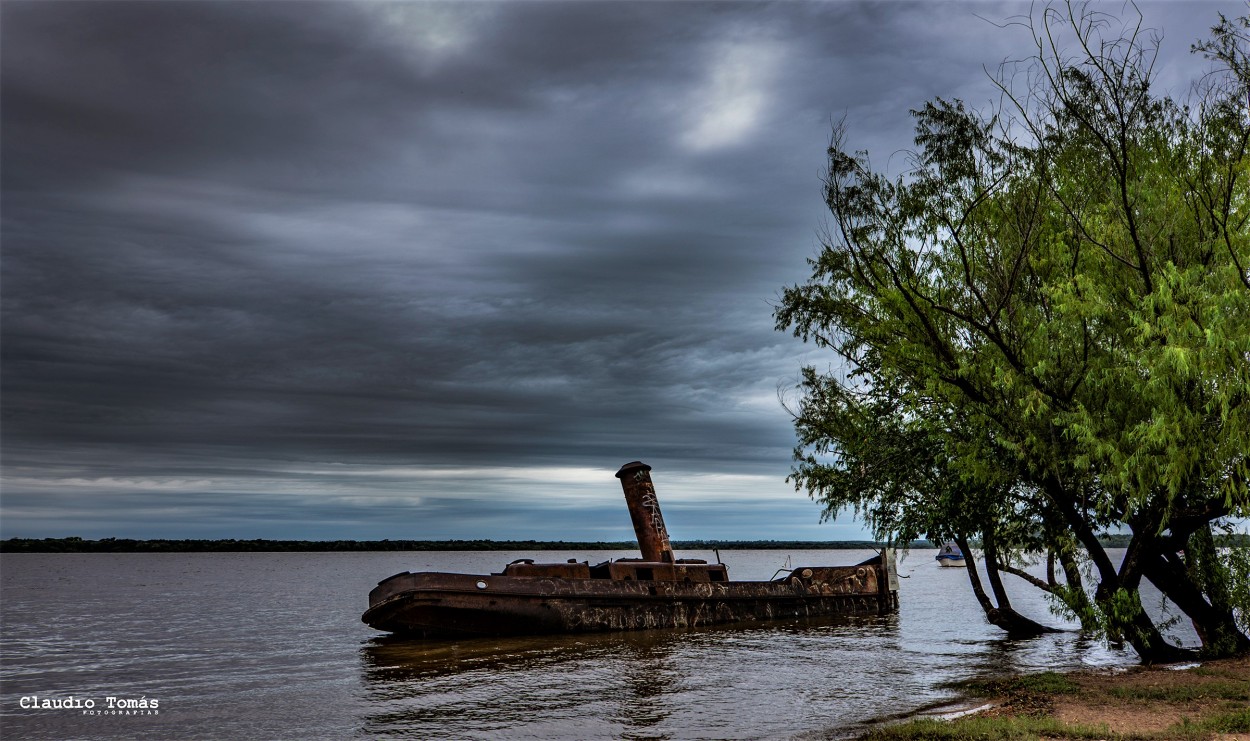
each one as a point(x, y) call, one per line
point(1044, 331)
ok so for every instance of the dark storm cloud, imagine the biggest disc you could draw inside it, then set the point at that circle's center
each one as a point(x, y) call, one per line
point(419, 268)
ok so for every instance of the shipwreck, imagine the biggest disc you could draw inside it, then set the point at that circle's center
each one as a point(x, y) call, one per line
point(655, 591)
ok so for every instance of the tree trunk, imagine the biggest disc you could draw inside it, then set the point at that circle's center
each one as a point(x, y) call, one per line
point(1216, 626)
point(970, 564)
point(1002, 616)
point(1135, 626)
point(1066, 505)
point(1141, 631)
point(1078, 599)
point(990, 543)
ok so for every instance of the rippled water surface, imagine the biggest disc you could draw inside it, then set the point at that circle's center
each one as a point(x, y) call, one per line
point(270, 645)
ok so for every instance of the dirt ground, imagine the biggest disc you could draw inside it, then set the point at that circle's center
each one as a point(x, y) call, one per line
point(1146, 701)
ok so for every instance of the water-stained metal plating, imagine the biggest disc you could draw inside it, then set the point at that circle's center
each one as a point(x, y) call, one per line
point(644, 510)
point(656, 591)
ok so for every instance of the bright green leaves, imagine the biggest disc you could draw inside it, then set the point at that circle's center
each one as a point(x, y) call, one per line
point(1041, 334)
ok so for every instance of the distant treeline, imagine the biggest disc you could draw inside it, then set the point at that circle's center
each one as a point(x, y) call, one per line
point(127, 545)
point(1223, 540)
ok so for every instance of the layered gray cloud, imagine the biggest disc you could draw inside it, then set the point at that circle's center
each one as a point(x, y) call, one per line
point(433, 269)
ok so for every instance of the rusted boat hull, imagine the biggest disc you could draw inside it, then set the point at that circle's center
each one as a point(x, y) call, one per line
point(439, 605)
point(658, 590)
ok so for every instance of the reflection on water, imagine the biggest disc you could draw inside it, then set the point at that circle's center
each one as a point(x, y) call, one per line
point(627, 678)
point(270, 645)
point(649, 671)
point(640, 685)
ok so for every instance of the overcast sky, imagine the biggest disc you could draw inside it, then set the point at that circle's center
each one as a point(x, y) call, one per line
point(436, 270)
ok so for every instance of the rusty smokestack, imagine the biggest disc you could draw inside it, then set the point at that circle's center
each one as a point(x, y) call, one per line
point(644, 510)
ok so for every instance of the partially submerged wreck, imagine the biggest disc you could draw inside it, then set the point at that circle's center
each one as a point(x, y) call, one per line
point(656, 591)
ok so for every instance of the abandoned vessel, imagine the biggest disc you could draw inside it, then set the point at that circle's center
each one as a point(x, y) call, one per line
point(656, 591)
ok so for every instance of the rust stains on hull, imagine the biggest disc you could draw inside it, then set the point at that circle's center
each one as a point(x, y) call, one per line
point(656, 591)
point(438, 605)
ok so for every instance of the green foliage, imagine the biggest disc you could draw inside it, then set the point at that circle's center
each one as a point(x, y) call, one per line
point(1224, 578)
point(1032, 728)
point(979, 728)
point(1236, 721)
point(1025, 705)
point(1048, 683)
point(1235, 562)
point(1044, 324)
point(1236, 691)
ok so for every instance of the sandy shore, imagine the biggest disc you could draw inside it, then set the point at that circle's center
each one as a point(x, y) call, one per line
point(1199, 701)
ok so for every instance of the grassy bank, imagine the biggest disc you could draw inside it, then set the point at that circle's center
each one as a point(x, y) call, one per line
point(1207, 702)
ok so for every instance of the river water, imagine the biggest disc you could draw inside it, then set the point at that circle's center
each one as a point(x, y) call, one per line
point(270, 645)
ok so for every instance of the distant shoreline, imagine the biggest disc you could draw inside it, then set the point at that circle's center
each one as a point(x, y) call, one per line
point(261, 545)
point(128, 545)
